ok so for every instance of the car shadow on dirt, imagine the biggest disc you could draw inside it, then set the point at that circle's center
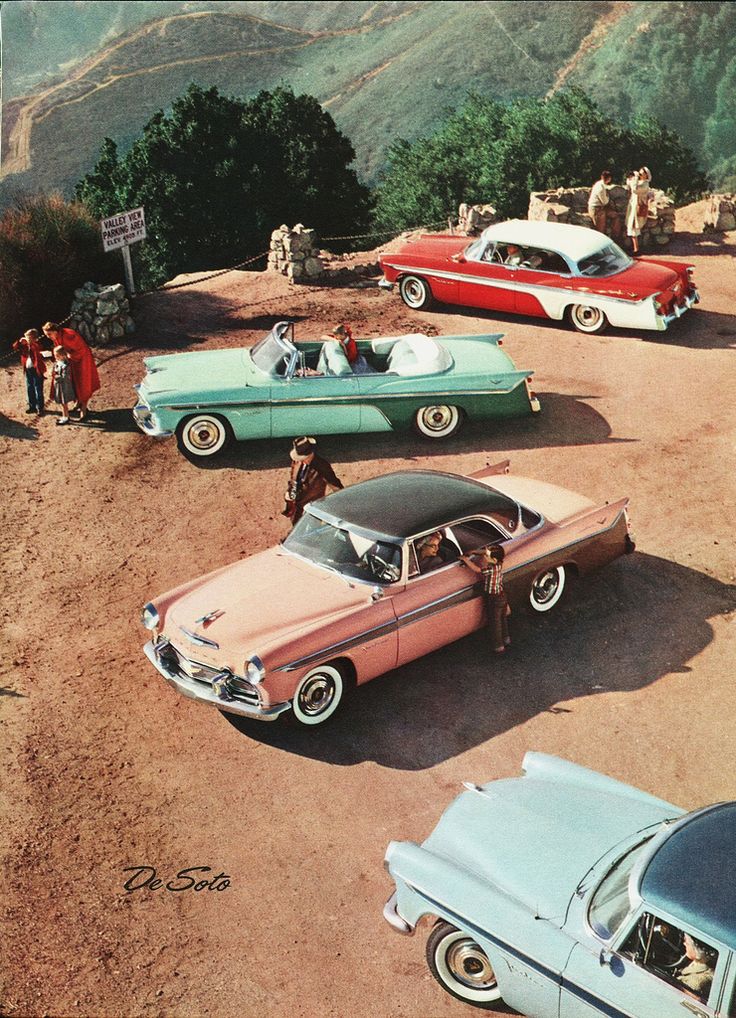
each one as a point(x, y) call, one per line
point(619, 630)
point(697, 329)
point(564, 420)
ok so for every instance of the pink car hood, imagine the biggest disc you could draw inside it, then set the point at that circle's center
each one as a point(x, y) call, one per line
point(259, 602)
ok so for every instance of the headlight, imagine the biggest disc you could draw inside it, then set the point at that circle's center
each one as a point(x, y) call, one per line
point(254, 669)
point(149, 617)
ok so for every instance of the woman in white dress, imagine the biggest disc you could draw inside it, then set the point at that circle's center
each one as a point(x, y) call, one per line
point(638, 183)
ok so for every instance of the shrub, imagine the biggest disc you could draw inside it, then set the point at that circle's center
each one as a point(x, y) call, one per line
point(48, 248)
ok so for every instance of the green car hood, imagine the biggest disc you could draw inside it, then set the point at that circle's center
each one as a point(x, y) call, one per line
point(198, 377)
point(536, 837)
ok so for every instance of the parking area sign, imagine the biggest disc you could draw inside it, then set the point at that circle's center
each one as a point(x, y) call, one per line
point(123, 229)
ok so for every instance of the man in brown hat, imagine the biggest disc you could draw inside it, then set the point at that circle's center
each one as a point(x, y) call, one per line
point(309, 478)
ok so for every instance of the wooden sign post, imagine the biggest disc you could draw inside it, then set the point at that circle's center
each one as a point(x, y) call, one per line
point(121, 231)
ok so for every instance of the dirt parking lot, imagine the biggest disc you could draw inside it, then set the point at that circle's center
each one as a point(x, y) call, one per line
point(105, 767)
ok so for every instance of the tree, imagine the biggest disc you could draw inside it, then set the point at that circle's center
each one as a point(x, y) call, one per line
point(216, 175)
point(489, 152)
point(48, 248)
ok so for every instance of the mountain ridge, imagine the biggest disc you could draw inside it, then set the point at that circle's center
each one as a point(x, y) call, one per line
point(383, 70)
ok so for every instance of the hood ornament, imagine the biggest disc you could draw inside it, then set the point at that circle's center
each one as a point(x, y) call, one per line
point(209, 617)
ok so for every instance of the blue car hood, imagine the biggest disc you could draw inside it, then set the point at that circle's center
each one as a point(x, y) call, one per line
point(536, 837)
point(196, 375)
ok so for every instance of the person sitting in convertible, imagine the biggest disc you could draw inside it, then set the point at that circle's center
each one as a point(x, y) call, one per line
point(343, 335)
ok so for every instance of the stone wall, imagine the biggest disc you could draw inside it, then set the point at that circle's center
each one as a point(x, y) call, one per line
point(570, 205)
point(293, 254)
point(101, 314)
point(720, 214)
point(473, 219)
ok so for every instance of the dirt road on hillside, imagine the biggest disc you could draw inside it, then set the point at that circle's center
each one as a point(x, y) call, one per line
point(106, 768)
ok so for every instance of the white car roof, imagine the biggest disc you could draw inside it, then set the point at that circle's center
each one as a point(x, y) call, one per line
point(575, 241)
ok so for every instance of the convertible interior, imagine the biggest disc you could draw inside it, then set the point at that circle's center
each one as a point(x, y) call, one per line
point(411, 355)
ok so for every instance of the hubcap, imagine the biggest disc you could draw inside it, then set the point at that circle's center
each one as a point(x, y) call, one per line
point(203, 436)
point(545, 587)
point(589, 317)
point(470, 966)
point(414, 292)
point(316, 695)
point(437, 418)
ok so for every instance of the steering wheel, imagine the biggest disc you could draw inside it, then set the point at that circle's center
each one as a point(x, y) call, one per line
point(380, 568)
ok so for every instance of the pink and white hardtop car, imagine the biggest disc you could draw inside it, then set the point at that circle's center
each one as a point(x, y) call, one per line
point(551, 270)
point(342, 600)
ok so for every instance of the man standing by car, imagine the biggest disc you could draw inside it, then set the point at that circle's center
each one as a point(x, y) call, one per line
point(309, 478)
point(605, 219)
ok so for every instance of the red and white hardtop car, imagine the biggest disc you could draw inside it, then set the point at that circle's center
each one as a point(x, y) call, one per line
point(551, 270)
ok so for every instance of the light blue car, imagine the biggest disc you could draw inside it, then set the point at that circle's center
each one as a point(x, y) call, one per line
point(567, 894)
point(281, 388)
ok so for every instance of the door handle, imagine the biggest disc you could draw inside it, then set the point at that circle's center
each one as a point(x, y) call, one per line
point(694, 1009)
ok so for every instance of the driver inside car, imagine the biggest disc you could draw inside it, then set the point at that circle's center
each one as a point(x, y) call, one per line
point(697, 975)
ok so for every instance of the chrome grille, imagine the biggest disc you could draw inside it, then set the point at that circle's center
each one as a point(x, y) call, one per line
point(203, 673)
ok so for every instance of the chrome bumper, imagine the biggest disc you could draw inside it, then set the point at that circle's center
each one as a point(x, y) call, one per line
point(663, 321)
point(397, 922)
point(144, 419)
point(383, 284)
point(204, 694)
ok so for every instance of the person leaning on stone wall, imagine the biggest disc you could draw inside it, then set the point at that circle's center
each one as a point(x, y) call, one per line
point(600, 209)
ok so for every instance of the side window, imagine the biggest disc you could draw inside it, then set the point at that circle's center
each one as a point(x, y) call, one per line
point(413, 563)
point(473, 534)
point(673, 955)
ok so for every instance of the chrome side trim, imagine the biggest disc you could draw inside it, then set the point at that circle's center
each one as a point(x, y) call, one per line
point(358, 397)
point(513, 284)
point(415, 615)
point(341, 646)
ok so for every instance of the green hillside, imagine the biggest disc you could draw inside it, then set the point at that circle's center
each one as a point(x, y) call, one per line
point(383, 70)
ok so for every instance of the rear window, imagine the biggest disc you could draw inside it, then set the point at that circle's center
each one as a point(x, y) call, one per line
point(606, 262)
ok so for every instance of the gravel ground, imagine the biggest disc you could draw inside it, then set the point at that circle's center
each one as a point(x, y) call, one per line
point(106, 767)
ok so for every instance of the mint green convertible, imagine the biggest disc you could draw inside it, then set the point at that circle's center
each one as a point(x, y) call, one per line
point(281, 388)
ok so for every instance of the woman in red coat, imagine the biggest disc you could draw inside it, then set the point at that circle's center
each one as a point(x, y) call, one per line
point(84, 370)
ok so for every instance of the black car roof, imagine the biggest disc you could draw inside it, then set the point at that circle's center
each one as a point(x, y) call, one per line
point(409, 502)
point(691, 875)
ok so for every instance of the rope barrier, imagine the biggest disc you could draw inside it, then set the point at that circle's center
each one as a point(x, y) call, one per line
point(249, 261)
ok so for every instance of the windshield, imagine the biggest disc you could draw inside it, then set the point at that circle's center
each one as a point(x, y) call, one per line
point(271, 354)
point(606, 262)
point(352, 555)
point(474, 251)
point(610, 903)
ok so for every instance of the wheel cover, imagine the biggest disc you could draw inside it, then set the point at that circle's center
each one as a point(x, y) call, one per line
point(547, 588)
point(318, 695)
point(413, 291)
point(437, 420)
point(469, 965)
point(203, 435)
point(587, 317)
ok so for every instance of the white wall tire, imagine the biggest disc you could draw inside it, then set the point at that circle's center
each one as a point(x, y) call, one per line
point(203, 435)
point(547, 589)
point(318, 695)
point(461, 966)
point(587, 319)
point(437, 421)
point(415, 292)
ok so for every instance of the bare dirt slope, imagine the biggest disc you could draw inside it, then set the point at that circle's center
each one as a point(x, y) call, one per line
point(106, 768)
